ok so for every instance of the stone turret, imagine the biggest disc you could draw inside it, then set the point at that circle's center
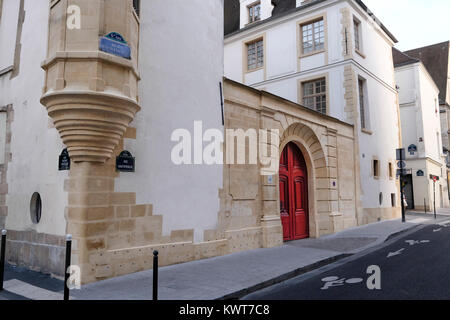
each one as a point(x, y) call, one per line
point(91, 95)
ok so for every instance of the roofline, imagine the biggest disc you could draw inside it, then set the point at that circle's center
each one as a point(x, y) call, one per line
point(380, 24)
point(429, 46)
point(401, 64)
point(307, 5)
point(419, 64)
point(266, 93)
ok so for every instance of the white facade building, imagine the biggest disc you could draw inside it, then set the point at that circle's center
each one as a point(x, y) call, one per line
point(181, 67)
point(334, 57)
point(421, 133)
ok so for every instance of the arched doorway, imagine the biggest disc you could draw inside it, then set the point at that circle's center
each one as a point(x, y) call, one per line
point(293, 194)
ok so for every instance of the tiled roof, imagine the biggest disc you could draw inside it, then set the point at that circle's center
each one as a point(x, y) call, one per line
point(436, 60)
point(401, 59)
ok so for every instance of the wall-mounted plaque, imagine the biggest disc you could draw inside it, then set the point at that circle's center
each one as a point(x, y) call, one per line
point(125, 162)
point(115, 44)
point(64, 161)
point(420, 173)
point(412, 149)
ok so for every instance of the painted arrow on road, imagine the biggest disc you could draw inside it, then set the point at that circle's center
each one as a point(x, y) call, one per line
point(393, 254)
point(437, 230)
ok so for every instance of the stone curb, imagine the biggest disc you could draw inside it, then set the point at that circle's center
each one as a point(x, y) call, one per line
point(244, 292)
point(297, 272)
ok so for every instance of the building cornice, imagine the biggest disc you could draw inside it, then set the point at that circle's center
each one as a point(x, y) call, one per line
point(325, 67)
point(304, 10)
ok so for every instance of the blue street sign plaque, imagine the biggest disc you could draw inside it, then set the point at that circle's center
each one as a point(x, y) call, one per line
point(114, 44)
point(125, 162)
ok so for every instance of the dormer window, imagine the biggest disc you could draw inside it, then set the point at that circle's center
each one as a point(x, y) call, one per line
point(254, 12)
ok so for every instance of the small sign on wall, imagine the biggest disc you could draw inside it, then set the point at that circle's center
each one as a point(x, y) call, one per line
point(125, 162)
point(64, 161)
point(420, 173)
point(412, 149)
point(115, 44)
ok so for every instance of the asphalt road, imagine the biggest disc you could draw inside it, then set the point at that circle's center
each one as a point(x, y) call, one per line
point(418, 267)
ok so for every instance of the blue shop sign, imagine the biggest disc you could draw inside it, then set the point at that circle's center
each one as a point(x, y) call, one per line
point(115, 44)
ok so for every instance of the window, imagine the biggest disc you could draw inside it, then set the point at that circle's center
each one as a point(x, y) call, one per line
point(376, 168)
point(357, 27)
point(315, 95)
point(390, 170)
point(313, 36)
point(36, 208)
point(255, 55)
point(254, 12)
point(362, 104)
point(438, 141)
point(137, 6)
point(393, 200)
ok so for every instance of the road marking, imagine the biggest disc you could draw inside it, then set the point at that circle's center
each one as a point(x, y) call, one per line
point(31, 292)
point(336, 282)
point(396, 253)
point(437, 230)
point(414, 242)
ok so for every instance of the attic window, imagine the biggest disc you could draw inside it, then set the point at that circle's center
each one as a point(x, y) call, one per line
point(137, 6)
point(254, 12)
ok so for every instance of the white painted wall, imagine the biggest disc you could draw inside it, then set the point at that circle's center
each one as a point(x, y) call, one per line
point(283, 75)
point(181, 63)
point(418, 97)
point(35, 146)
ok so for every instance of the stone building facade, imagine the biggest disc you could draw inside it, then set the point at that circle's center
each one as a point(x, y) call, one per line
point(59, 90)
point(342, 46)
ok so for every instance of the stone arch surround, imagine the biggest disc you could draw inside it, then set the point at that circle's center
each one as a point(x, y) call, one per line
point(318, 174)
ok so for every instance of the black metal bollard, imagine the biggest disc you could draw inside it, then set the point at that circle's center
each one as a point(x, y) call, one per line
point(66, 270)
point(155, 275)
point(2, 259)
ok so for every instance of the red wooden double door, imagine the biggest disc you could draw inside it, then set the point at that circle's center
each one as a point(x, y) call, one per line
point(293, 194)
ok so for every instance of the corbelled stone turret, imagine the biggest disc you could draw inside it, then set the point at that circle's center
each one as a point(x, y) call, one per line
point(91, 89)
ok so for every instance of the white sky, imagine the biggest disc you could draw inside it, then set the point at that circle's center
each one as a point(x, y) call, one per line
point(415, 23)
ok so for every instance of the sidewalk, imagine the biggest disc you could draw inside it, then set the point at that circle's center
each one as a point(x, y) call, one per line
point(230, 276)
point(235, 275)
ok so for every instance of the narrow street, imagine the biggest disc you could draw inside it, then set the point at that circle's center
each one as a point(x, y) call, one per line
point(414, 266)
